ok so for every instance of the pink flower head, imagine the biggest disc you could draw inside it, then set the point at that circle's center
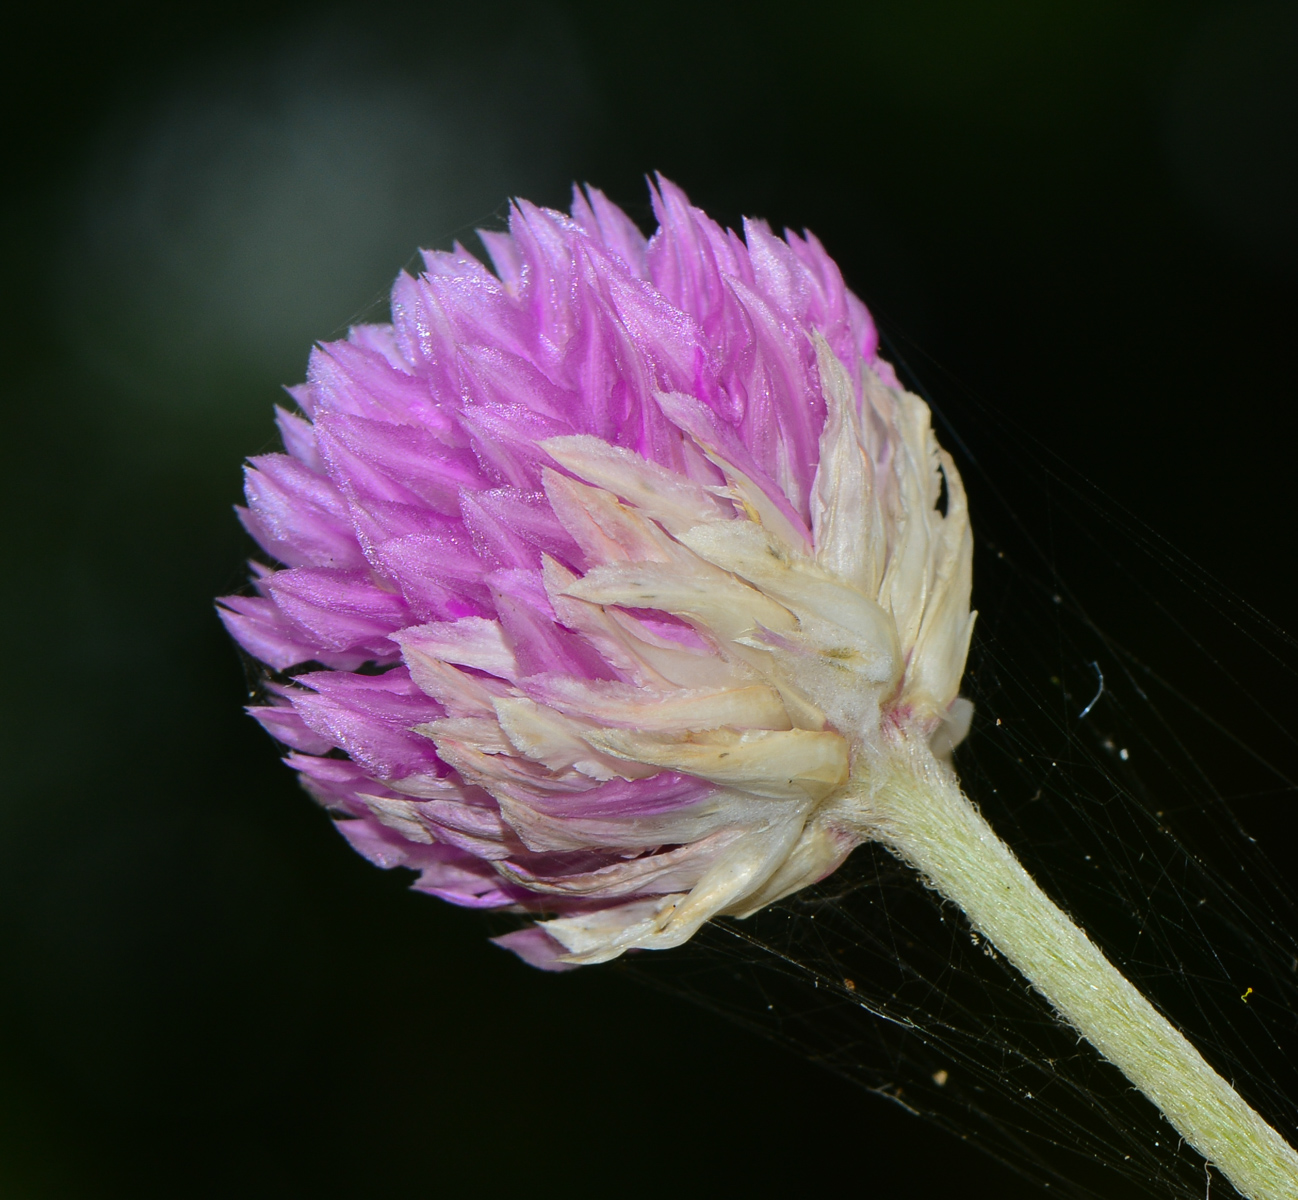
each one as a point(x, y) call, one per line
point(611, 569)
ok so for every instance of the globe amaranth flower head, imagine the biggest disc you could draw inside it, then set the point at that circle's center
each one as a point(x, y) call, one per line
point(611, 572)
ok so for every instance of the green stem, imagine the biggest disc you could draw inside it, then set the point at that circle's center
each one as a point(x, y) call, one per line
point(913, 805)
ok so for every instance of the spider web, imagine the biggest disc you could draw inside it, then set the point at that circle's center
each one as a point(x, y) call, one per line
point(1112, 779)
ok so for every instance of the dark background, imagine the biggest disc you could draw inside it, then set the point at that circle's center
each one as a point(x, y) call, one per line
point(1082, 212)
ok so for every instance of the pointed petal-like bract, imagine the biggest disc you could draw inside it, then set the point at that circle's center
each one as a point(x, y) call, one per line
point(611, 568)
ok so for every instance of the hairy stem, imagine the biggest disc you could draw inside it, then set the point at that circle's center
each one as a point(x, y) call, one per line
point(914, 806)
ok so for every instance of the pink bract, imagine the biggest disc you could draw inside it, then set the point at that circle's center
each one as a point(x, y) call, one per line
point(423, 537)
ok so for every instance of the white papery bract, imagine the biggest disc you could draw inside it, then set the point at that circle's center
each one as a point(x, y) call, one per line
point(863, 635)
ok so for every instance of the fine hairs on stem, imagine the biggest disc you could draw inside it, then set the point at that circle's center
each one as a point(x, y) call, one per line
point(915, 807)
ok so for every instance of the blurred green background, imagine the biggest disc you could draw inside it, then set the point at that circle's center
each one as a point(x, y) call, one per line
point(1084, 211)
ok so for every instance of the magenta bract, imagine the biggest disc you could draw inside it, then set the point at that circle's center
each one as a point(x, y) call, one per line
point(428, 530)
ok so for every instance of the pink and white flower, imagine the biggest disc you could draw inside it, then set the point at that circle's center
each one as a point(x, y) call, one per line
point(615, 570)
